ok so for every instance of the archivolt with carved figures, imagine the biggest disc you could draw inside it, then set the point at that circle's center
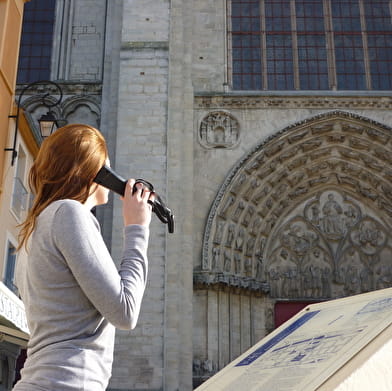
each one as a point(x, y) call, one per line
point(307, 213)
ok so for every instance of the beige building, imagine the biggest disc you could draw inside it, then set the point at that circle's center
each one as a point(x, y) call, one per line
point(16, 153)
point(265, 125)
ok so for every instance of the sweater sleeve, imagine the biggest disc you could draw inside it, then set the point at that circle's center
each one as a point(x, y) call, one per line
point(117, 295)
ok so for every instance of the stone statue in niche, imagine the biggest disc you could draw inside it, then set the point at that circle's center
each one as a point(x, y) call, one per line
point(215, 258)
point(219, 232)
point(239, 242)
point(238, 211)
point(219, 129)
point(239, 183)
point(250, 244)
point(248, 267)
point(230, 235)
point(259, 269)
point(248, 216)
point(227, 205)
point(227, 262)
point(332, 220)
point(237, 263)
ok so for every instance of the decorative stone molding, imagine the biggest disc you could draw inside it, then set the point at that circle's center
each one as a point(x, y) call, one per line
point(307, 211)
point(84, 109)
point(78, 108)
point(223, 281)
point(292, 102)
point(219, 129)
point(69, 88)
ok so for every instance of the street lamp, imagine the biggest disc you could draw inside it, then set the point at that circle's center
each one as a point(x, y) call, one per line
point(48, 122)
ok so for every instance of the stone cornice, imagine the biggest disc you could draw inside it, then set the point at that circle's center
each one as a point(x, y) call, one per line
point(68, 88)
point(382, 101)
point(222, 281)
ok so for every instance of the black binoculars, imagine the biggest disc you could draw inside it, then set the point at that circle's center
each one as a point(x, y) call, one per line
point(110, 179)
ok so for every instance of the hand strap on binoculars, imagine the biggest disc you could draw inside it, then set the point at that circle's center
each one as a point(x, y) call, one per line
point(158, 206)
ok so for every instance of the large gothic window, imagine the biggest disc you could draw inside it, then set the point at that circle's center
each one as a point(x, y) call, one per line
point(36, 41)
point(310, 44)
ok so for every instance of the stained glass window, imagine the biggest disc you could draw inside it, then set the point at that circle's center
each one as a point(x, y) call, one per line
point(310, 44)
point(36, 41)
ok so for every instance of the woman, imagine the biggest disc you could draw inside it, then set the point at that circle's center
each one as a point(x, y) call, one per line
point(73, 293)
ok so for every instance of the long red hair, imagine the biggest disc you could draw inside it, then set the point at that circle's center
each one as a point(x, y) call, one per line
point(65, 168)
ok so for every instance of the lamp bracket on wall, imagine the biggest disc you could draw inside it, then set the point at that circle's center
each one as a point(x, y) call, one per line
point(47, 123)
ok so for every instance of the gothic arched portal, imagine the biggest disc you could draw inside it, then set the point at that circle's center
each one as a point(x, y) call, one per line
point(307, 213)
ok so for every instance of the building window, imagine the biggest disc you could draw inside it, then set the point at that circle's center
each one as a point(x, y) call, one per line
point(20, 199)
point(9, 278)
point(36, 41)
point(310, 44)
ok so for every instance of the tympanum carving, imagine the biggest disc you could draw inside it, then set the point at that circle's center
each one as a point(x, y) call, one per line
point(307, 213)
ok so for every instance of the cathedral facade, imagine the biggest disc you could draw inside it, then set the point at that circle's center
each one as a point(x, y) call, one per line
point(267, 128)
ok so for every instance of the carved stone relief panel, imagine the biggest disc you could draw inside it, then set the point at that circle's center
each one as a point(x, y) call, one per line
point(332, 245)
point(219, 129)
point(307, 213)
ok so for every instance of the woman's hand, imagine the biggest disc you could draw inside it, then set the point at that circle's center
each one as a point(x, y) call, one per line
point(136, 209)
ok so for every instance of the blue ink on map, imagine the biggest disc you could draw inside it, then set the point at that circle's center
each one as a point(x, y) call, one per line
point(275, 340)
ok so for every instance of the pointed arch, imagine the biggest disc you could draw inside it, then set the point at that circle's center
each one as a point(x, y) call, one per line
point(305, 189)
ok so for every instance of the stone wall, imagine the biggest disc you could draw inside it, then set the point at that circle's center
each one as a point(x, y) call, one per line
point(141, 144)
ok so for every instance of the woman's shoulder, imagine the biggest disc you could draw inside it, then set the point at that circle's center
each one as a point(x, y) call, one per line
point(65, 208)
point(67, 212)
point(66, 205)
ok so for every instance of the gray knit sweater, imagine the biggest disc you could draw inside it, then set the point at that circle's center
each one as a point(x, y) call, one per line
point(75, 297)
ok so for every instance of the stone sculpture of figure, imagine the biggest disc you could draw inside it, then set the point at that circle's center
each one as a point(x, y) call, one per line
point(317, 284)
point(293, 283)
point(253, 185)
point(281, 274)
point(227, 205)
point(383, 276)
point(227, 261)
point(248, 267)
point(208, 366)
point(239, 183)
point(215, 258)
point(332, 216)
point(239, 241)
point(256, 225)
point(196, 367)
point(230, 235)
point(326, 281)
point(237, 263)
point(352, 280)
point(307, 282)
point(248, 215)
point(319, 273)
point(351, 216)
point(250, 244)
point(239, 210)
point(315, 214)
point(366, 279)
point(219, 232)
point(259, 269)
point(275, 281)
